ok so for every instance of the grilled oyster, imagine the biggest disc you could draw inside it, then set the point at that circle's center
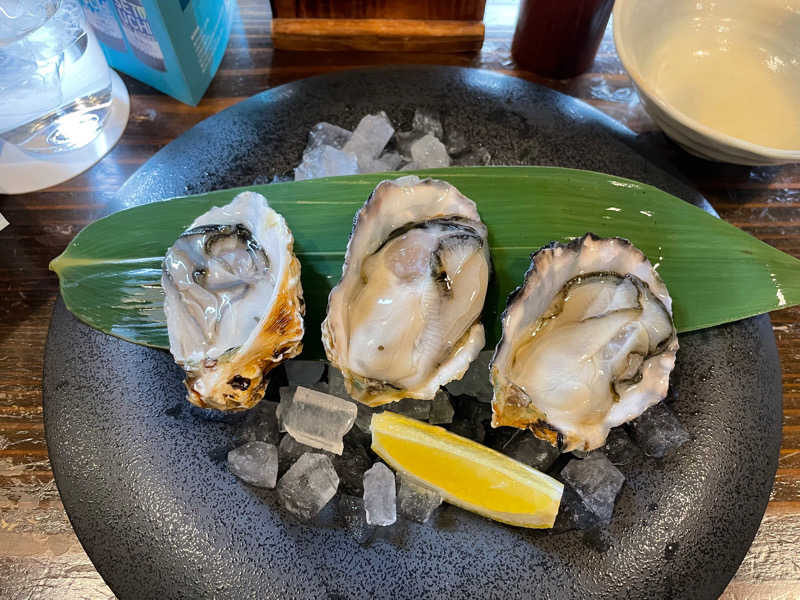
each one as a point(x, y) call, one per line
point(404, 319)
point(588, 343)
point(234, 303)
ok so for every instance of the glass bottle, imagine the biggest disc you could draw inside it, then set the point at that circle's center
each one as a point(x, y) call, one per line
point(559, 38)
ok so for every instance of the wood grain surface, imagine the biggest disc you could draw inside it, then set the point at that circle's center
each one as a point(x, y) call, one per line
point(377, 35)
point(459, 10)
point(39, 554)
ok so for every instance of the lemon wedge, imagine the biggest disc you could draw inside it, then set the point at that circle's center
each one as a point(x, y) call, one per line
point(465, 473)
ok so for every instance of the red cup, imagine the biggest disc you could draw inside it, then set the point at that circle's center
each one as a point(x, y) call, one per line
point(559, 38)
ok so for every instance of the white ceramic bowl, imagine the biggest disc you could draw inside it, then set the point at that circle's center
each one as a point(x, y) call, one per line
point(720, 77)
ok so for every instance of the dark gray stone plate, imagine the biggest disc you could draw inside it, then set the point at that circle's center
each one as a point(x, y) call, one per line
point(144, 480)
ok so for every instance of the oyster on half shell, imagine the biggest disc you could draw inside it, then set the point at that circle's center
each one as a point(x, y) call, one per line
point(234, 302)
point(588, 343)
point(405, 317)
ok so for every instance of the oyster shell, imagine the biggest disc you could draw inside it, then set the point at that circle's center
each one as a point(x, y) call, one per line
point(405, 317)
point(234, 303)
point(588, 343)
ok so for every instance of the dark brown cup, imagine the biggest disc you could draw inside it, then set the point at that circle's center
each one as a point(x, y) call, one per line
point(559, 38)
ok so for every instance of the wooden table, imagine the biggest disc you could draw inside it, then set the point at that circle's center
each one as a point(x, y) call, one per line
point(40, 557)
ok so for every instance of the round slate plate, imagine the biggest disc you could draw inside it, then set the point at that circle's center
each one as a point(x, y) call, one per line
point(143, 477)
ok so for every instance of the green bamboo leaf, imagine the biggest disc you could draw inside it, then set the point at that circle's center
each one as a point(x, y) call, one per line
point(109, 274)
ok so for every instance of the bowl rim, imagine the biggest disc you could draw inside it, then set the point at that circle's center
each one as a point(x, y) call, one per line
point(642, 84)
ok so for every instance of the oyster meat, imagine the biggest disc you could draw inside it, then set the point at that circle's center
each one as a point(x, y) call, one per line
point(234, 302)
point(405, 317)
point(588, 343)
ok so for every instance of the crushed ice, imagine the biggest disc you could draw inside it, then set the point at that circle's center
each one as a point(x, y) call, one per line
point(375, 146)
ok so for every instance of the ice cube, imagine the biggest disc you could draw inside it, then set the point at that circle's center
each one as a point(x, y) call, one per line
point(353, 518)
point(475, 381)
point(441, 408)
point(619, 448)
point(286, 394)
point(289, 450)
point(362, 438)
point(336, 383)
point(319, 386)
point(658, 431)
point(404, 140)
point(429, 153)
point(374, 165)
point(326, 161)
point(266, 179)
point(392, 160)
point(596, 481)
point(465, 428)
point(476, 157)
point(480, 413)
point(351, 466)
point(380, 495)
point(319, 420)
point(261, 424)
point(530, 450)
point(498, 437)
point(304, 372)
point(364, 417)
point(326, 134)
point(369, 138)
point(455, 142)
point(308, 485)
point(416, 502)
point(411, 407)
point(427, 122)
point(471, 418)
point(573, 513)
point(256, 463)
point(388, 161)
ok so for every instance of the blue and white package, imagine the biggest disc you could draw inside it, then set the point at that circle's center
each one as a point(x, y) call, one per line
point(173, 45)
